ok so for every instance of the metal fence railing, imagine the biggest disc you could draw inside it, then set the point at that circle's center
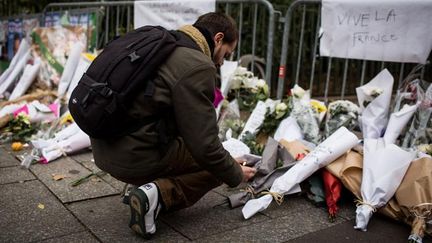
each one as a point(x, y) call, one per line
point(116, 17)
point(326, 77)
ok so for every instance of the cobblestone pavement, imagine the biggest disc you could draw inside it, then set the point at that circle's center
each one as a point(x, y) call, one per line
point(37, 208)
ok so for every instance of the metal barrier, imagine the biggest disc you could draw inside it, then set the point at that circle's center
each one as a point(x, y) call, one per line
point(116, 17)
point(303, 65)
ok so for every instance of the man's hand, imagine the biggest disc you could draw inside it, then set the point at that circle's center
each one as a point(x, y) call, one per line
point(240, 160)
point(248, 173)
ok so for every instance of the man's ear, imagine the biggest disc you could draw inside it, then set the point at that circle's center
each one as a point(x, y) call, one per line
point(218, 37)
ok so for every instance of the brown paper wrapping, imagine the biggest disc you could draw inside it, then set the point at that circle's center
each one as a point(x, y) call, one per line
point(295, 147)
point(413, 197)
point(349, 169)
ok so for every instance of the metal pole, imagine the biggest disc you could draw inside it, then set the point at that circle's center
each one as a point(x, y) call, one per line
point(314, 55)
point(285, 39)
point(300, 44)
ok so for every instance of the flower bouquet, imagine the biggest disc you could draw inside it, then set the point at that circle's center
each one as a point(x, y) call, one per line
point(374, 109)
point(22, 51)
point(257, 117)
point(248, 89)
point(341, 113)
point(28, 76)
point(273, 117)
point(326, 152)
point(229, 120)
point(411, 202)
point(384, 163)
point(66, 141)
point(305, 115)
point(19, 128)
point(420, 130)
point(268, 169)
point(414, 197)
point(333, 190)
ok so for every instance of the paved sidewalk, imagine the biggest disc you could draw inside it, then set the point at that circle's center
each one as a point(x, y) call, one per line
point(36, 208)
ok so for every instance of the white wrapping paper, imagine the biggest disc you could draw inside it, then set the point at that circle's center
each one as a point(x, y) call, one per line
point(235, 147)
point(289, 130)
point(58, 136)
point(257, 117)
point(374, 117)
point(29, 74)
point(10, 109)
point(72, 144)
point(39, 112)
point(15, 72)
point(397, 122)
point(70, 67)
point(82, 66)
point(384, 166)
point(23, 48)
point(334, 146)
point(226, 70)
point(68, 140)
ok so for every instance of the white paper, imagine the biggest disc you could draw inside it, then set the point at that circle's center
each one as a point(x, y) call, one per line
point(29, 74)
point(58, 136)
point(39, 112)
point(384, 166)
point(373, 119)
point(83, 64)
point(226, 70)
point(235, 147)
point(257, 117)
point(15, 72)
point(71, 144)
point(10, 109)
point(23, 48)
point(288, 130)
point(385, 30)
point(69, 68)
point(170, 14)
point(326, 152)
point(397, 122)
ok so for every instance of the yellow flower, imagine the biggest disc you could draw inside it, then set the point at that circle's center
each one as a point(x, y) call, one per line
point(318, 106)
point(66, 119)
point(89, 56)
point(16, 146)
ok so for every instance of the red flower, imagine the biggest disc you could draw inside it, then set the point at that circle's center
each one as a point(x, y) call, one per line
point(332, 188)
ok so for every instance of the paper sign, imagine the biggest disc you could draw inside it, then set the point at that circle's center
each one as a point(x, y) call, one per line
point(170, 14)
point(386, 30)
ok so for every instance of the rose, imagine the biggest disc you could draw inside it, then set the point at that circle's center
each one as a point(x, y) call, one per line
point(298, 92)
point(280, 110)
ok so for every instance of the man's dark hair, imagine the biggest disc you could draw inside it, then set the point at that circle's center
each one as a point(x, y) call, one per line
point(219, 22)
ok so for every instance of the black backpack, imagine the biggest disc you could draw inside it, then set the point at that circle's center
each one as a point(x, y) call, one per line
point(99, 102)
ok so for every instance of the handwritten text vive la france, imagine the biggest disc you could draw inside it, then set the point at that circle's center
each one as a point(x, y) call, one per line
point(366, 20)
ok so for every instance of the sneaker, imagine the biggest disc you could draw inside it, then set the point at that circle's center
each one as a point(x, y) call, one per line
point(126, 191)
point(145, 206)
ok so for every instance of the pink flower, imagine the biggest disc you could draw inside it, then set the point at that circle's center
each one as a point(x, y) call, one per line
point(218, 97)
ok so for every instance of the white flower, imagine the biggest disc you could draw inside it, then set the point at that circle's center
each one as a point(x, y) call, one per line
point(425, 148)
point(281, 107)
point(236, 82)
point(372, 91)
point(250, 83)
point(261, 83)
point(242, 72)
point(298, 91)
